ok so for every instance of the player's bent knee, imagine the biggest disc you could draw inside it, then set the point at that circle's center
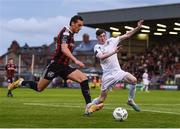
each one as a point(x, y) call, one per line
point(77, 76)
point(134, 81)
point(83, 78)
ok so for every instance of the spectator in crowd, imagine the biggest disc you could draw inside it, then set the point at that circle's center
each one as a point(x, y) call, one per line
point(160, 60)
point(86, 46)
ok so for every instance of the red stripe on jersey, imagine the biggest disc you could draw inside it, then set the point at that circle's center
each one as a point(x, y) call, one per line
point(66, 36)
point(10, 72)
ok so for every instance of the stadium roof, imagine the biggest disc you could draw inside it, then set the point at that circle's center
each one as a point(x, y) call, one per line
point(166, 15)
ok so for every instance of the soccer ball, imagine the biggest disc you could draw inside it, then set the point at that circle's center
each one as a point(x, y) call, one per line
point(120, 114)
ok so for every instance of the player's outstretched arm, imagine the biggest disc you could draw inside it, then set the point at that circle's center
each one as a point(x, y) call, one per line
point(106, 55)
point(132, 32)
point(68, 53)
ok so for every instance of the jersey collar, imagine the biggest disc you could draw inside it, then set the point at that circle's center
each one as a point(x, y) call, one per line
point(67, 27)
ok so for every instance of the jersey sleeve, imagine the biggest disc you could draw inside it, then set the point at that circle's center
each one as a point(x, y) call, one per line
point(115, 41)
point(65, 37)
point(97, 51)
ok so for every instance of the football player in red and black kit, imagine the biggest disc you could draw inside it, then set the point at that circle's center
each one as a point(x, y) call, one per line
point(10, 70)
point(59, 65)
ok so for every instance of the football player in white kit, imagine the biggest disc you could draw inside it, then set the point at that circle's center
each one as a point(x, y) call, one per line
point(145, 78)
point(106, 50)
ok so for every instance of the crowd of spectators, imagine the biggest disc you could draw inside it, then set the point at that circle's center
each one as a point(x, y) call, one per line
point(161, 61)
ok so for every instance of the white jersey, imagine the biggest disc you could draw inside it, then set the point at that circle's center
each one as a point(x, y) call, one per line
point(111, 63)
point(112, 72)
point(145, 79)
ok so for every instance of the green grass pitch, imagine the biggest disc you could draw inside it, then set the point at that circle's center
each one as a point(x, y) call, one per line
point(60, 108)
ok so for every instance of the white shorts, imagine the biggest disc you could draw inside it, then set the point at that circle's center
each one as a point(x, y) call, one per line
point(109, 79)
point(146, 82)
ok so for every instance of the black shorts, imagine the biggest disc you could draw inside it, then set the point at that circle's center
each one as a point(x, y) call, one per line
point(54, 69)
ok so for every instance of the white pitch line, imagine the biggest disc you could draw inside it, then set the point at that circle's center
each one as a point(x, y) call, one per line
point(160, 104)
point(50, 105)
point(156, 111)
point(73, 106)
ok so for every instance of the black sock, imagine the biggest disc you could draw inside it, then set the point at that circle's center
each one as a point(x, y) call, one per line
point(85, 91)
point(9, 92)
point(30, 84)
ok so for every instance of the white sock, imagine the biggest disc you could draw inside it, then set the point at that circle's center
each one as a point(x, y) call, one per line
point(96, 101)
point(146, 87)
point(88, 105)
point(132, 90)
point(20, 82)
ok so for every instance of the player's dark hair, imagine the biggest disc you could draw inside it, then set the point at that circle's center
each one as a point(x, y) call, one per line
point(75, 19)
point(100, 31)
point(10, 58)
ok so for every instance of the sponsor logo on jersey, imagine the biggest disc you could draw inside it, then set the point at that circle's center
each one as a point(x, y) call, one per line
point(50, 74)
point(66, 33)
